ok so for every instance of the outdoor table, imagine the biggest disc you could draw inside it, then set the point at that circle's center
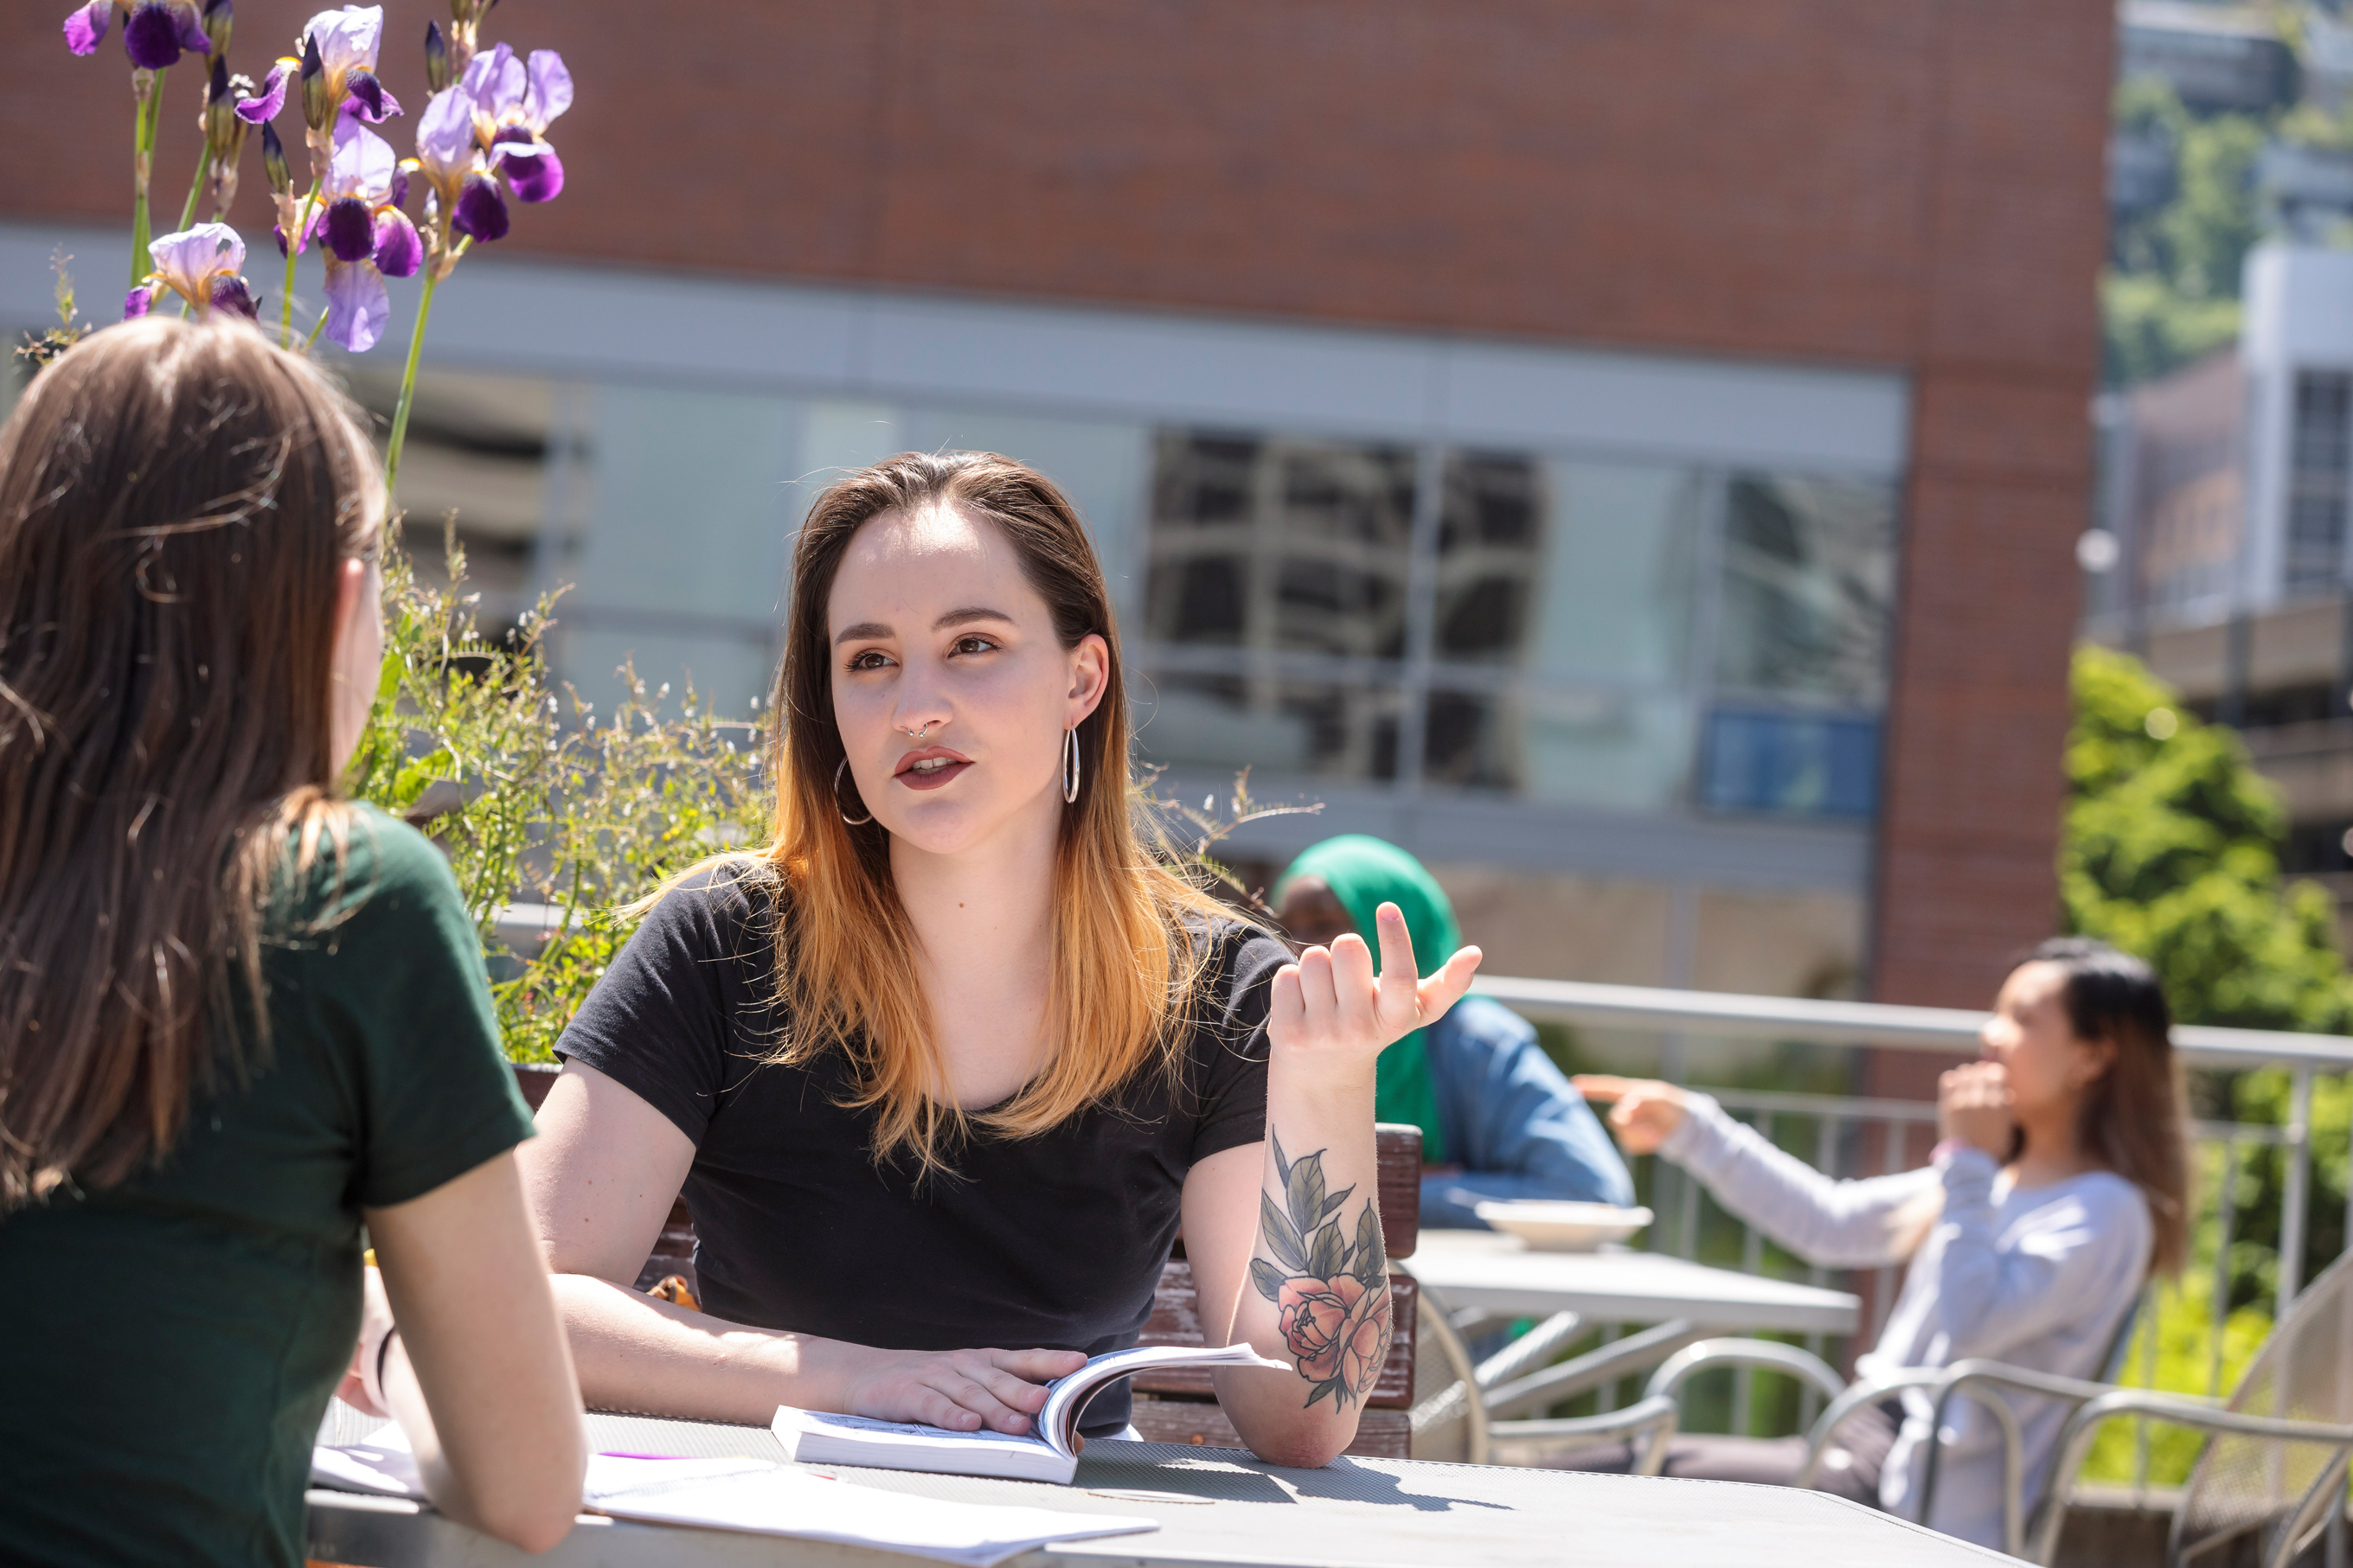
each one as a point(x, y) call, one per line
point(1218, 1509)
point(1497, 1273)
point(1673, 1302)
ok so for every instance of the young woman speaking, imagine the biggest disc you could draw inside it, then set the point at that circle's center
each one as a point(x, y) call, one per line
point(944, 1067)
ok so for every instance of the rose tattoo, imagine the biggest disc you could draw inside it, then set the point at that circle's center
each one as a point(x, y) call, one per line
point(1331, 1293)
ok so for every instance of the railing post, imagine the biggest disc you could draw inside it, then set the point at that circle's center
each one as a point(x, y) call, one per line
point(2226, 1206)
point(2298, 1189)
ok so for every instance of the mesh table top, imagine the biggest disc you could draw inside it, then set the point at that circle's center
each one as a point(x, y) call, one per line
point(1215, 1507)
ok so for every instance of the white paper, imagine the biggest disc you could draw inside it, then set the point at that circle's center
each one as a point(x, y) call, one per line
point(759, 1498)
point(751, 1496)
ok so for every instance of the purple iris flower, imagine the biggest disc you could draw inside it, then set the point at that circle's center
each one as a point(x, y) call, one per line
point(512, 105)
point(451, 159)
point(366, 234)
point(347, 40)
point(156, 33)
point(263, 106)
point(201, 265)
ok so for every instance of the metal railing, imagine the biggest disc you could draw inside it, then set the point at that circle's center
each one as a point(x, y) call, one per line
point(1853, 1136)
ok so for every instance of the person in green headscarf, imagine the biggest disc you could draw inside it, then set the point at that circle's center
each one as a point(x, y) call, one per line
point(1498, 1120)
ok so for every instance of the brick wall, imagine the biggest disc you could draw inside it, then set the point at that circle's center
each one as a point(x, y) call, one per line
point(1905, 184)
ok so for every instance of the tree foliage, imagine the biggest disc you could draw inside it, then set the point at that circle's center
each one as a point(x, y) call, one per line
point(2171, 291)
point(2171, 851)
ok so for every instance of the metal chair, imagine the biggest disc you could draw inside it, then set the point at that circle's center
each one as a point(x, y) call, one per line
point(1448, 1421)
point(2275, 1463)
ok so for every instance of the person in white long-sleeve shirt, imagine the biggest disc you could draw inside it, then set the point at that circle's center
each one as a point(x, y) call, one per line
point(2058, 1186)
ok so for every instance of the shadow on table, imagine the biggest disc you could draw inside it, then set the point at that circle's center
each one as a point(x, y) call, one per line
point(1213, 1475)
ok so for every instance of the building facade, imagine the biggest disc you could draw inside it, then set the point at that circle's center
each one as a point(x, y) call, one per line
point(2231, 505)
point(1631, 455)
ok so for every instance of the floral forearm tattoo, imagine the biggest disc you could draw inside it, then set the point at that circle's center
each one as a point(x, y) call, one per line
point(1331, 1293)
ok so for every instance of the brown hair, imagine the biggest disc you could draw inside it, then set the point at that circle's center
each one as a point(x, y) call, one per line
point(176, 502)
point(1124, 965)
point(2133, 1119)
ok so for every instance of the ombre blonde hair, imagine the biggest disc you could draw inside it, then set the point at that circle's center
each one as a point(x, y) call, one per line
point(1129, 938)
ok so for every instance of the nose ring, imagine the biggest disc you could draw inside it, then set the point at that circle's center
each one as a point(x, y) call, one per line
point(919, 733)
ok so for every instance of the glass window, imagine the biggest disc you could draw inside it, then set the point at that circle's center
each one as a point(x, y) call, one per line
point(1277, 544)
point(1300, 727)
point(1822, 764)
point(1567, 567)
point(1618, 750)
point(1808, 583)
point(2316, 496)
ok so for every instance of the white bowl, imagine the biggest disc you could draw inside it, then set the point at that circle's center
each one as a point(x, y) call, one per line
point(1562, 1226)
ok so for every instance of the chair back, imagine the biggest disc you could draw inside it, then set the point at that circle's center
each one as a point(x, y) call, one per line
point(2304, 1373)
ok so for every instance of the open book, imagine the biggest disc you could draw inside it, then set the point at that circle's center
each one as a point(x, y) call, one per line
point(1052, 1453)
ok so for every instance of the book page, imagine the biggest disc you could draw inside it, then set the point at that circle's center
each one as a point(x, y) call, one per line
point(1058, 1422)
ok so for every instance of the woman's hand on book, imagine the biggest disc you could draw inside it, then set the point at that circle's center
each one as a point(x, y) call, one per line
point(1330, 1004)
point(960, 1391)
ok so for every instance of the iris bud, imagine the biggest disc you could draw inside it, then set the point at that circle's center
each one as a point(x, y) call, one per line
point(220, 106)
point(273, 161)
point(318, 112)
point(437, 58)
point(220, 18)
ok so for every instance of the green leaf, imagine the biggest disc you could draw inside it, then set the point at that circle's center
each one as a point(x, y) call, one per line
point(1371, 1262)
point(1331, 1388)
point(1281, 1165)
point(1332, 1205)
point(1288, 1249)
point(1330, 1256)
point(1268, 1279)
point(1305, 1191)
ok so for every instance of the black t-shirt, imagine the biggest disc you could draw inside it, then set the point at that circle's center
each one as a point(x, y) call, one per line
point(1053, 1241)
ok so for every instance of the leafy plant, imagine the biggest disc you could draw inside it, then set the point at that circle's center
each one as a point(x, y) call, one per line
point(553, 815)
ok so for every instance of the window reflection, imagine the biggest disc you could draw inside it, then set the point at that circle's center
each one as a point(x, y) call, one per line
point(1821, 765)
point(1234, 722)
point(1280, 545)
point(1808, 580)
point(1617, 750)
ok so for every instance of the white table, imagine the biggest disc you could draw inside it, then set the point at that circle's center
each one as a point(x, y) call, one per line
point(1221, 1509)
point(1676, 1303)
point(1483, 1269)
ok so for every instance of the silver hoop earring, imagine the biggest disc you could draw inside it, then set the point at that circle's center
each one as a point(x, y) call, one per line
point(1070, 766)
point(853, 821)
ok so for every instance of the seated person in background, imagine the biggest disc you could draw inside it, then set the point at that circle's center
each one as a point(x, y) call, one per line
point(2060, 1182)
point(239, 1016)
point(1498, 1120)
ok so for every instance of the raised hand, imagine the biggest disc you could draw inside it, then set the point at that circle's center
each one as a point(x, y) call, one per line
point(1646, 1112)
point(1973, 1104)
point(1330, 1003)
point(961, 1390)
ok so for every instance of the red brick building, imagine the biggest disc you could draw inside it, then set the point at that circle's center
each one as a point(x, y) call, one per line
point(1342, 316)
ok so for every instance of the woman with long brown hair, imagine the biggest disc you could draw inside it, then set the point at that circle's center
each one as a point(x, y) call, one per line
point(2059, 1184)
point(240, 1017)
point(940, 1071)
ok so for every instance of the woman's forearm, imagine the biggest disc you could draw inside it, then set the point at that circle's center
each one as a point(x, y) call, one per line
point(637, 1353)
point(1317, 1294)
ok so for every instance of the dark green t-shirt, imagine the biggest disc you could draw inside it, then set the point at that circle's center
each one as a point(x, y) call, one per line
point(167, 1347)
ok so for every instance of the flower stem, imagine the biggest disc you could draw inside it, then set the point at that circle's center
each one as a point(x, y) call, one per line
point(316, 328)
point(293, 252)
point(147, 90)
point(407, 391)
point(195, 188)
